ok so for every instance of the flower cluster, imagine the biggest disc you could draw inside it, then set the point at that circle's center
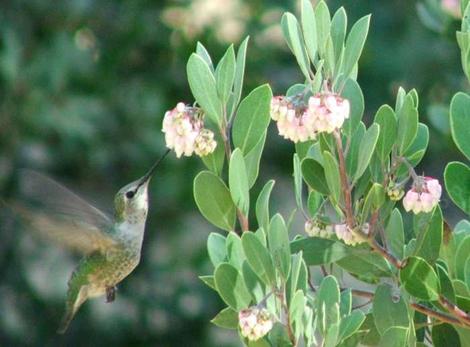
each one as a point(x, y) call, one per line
point(395, 191)
point(185, 132)
point(328, 111)
point(350, 237)
point(423, 196)
point(254, 322)
point(324, 113)
point(317, 228)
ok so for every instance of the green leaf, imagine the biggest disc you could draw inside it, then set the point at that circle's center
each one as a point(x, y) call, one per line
point(394, 337)
point(350, 324)
point(354, 147)
point(262, 205)
point(386, 119)
point(238, 182)
point(368, 267)
point(374, 200)
point(209, 281)
point(394, 234)
point(314, 175)
point(323, 21)
point(318, 251)
point(447, 288)
point(297, 277)
point(203, 86)
point(338, 32)
point(204, 54)
point(355, 43)
point(298, 182)
point(314, 202)
point(352, 91)
point(258, 257)
point(235, 254)
point(444, 335)
point(407, 124)
point(372, 337)
point(366, 149)
point(254, 284)
point(252, 160)
point(214, 201)
point(457, 181)
point(292, 34)
point(238, 81)
point(231, 287)
point(216, 248)
point(419, 279)
point(387, 311)
point(225, 74)
point(460, 122)
point(227, 319)
point(215, 161)
point(296, 311)
point(309, 28)
point(278, 241)
point(252, 119)
point(345, 305)
point(332, 175)
point(302, 148)
point(461, 256)
point(428, 228)
point(328, 303)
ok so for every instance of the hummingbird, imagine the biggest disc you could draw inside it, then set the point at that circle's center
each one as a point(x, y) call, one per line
point(111, 246)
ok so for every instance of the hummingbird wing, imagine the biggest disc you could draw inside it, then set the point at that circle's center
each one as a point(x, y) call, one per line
point(62, 216)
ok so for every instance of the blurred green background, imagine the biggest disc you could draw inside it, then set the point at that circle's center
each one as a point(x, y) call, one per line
point(83, 89)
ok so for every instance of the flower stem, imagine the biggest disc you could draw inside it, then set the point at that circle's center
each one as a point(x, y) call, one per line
point(346, 188)
point(428, 311)
point(224, 131)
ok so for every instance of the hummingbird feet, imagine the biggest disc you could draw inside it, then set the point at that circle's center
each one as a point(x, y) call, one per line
point(110, 294)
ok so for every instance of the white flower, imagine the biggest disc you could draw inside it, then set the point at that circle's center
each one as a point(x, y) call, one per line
point(254, 323)
point(204, 143)
point(343, 232)
point(292, 123)
point(423, 196)
point(181, 130)
point(328, 112)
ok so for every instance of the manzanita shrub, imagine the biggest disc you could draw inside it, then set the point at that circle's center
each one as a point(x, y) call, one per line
point(370, 220)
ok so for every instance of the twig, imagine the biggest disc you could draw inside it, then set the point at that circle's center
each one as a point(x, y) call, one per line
point(344, 182)
point(438, 315)
point(455, 311)
point(242, 219)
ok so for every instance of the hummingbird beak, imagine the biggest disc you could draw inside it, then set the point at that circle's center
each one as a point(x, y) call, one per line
point(144, 180)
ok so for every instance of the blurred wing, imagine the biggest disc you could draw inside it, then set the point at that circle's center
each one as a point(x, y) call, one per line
point(57, 213)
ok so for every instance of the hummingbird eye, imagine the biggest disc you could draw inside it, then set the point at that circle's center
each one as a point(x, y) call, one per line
point(130, 194)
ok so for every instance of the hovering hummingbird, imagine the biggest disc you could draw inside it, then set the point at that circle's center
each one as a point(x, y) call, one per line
point(111, 246)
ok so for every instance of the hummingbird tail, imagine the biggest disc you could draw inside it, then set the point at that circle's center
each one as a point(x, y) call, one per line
point(65, 321)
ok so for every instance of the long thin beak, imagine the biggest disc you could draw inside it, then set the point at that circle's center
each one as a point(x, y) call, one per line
point(150, 173)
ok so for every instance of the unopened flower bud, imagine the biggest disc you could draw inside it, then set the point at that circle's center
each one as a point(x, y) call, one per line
point(317, 228)
point(423, 196)
point(204, 143)
point(254, 323)
point(395, 192)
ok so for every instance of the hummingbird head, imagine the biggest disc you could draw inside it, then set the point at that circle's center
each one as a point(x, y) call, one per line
point(131, 202)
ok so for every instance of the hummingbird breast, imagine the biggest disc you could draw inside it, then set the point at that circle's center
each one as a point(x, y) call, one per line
point(101, 270)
